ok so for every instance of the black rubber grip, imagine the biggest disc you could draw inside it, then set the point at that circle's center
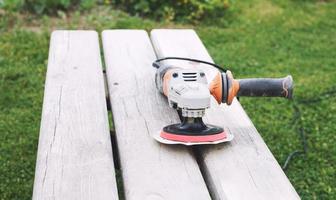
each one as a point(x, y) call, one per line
point(266, 87)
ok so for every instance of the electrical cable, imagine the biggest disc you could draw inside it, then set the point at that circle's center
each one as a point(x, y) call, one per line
point(301, 130)
point(157, 65)
point(303, 139)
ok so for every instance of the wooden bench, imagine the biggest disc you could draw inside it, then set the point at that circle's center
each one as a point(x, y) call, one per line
point(75, 159)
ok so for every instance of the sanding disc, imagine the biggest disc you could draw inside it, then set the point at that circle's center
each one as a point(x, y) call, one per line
point(227, 137)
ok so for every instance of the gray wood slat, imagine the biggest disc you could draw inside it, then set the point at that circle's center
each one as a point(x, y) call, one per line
point(149, 170)
point(244, 168)
point(74, 159)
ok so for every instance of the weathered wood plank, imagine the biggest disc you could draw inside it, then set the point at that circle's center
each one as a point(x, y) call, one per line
point(149, 170)
point(243, 168)
point(74, 159)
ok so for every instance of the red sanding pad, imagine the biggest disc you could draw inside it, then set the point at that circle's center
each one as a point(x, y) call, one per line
point(169, 138)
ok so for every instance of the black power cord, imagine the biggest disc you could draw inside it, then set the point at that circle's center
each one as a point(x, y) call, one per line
point(302, 134)
point(157, 65)
point(297, 119)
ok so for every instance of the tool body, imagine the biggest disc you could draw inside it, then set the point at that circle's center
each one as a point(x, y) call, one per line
point(189, 92)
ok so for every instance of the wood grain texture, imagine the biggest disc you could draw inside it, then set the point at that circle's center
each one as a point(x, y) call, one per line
point(150, 170)
point(74, 159)
point(244, 168)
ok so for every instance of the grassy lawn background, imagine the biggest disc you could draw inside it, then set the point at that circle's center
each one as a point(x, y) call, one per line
point(255, 38)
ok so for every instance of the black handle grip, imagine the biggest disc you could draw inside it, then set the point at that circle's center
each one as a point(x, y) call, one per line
point(268, 87)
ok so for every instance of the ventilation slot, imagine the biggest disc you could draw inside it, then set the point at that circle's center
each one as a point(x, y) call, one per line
point(189, 76)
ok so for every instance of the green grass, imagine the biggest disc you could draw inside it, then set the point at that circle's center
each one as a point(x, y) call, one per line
point(255, 38)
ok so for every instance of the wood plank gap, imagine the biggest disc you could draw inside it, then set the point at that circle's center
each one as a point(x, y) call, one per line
point(115, 152)
point(107, 95)
point(204, 171)
point(117, 167)
point(114, 143)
